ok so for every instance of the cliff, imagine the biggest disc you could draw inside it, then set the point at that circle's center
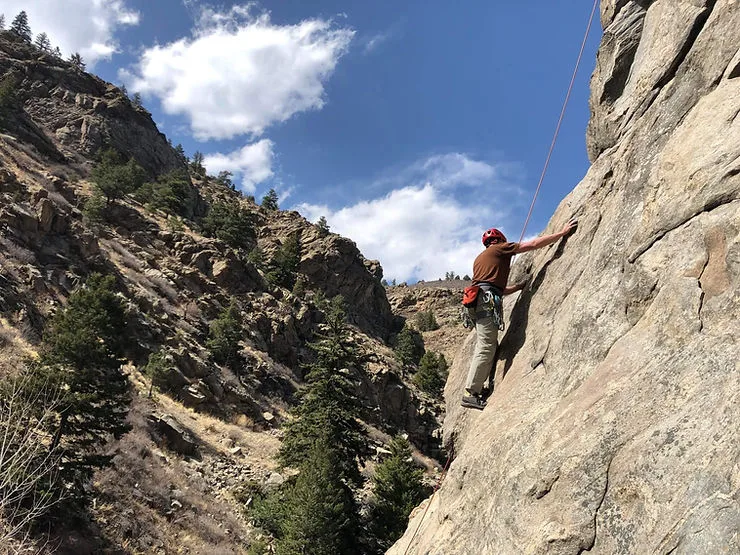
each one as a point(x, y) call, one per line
point(612, 428)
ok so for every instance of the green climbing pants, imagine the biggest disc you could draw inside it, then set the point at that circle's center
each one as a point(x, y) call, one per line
point(486, 342)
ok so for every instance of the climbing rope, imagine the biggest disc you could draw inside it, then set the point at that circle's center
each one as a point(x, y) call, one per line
point(436, 487)
point(562, 116)
point(526, 222)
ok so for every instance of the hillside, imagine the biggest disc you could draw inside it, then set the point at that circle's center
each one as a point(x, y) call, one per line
point(176, 480)
point(612, 428)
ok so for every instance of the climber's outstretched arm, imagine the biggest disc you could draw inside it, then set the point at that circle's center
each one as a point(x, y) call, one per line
point(514, 289)
point(546, 240)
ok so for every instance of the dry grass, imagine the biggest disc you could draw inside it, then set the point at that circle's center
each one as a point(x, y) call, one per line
point(153, 500)
point(121, 256)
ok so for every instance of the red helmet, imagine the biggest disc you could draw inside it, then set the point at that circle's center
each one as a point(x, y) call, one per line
point(492, 234)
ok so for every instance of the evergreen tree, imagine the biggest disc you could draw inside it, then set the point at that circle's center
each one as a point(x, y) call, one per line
point(257, 258)
point(197, 163)
point(8, 86)
point(466, 277)
point(270, 201)
point(136, 100)
point(328, 407)
point(321, 515)
point(432, 373)
point(21, 27)
point(409, 347)
point(225, 178)
point(57, 53)
point(77, 61)
point(172, 192)
point(284, 264)
point(42, 42)
point(398, 488)
point(82, 353)
point(224, 335)
point(230, 223)
point(93, 212)
point(123, 89)
point(116, 178)
point(159, 369)
point(2, 22)
point(323, 226)
point(180, 151)
point(425, 320)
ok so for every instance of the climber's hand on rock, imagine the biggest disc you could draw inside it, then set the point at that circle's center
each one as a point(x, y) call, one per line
point(570, 227)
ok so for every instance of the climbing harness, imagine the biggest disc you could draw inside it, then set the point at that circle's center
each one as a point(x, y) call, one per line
point(491, 305)
point(524, 229)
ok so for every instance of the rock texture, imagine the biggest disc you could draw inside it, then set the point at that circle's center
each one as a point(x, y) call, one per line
point(613, 425)
point(66, 111)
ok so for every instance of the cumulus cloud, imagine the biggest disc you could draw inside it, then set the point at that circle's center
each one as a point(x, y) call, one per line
point(84, 26)
point(252, 163)
point(240, 73)
point(421, 231)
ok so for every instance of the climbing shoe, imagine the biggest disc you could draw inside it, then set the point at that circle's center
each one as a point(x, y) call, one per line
point(473, 402)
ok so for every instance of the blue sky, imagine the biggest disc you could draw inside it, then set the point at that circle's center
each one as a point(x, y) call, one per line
point(412, 126)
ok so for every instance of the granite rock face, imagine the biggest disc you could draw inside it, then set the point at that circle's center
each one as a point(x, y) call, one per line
point(612, 428)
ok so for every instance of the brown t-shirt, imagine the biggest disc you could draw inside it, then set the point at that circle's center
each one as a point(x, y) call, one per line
point(494, 263)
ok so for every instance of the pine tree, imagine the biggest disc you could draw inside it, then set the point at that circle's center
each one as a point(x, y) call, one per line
point(409, 347)
point(180, 151)
point(197, 164)
point(21, 27)
point(321, 515)
point(42, 42)
point(285, 262)
point(136, 100)
point(82, 353)
point(123, 89)
point(323, 226)
point(425, 321)
point(57, 53)
point(2, 22)
point(8, 87)
point(257, 258)
point(77, 61)
point(432, 373)
point(225, 178)
point(172, 192)
point(224, 335)
point(398, 488)
point(159, 369)
point(328, 407)
point(230, 223)
point(270, 201)
point(116, 178)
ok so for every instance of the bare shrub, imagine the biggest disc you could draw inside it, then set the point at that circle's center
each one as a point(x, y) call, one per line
point(28, 464)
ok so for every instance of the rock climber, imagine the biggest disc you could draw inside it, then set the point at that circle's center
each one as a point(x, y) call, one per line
point(491, 274)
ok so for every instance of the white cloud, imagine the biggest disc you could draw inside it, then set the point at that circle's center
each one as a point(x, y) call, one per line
point(240, 73)
point(253, 163)
point(423, 230)
point(375, 41)
point(84, 26)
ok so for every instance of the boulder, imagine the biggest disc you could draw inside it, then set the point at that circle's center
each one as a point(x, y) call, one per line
point(169, 430)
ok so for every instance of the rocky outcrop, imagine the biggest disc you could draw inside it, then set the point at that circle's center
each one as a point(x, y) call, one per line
point(334, 265)
point(612, 428)
point(78, 110)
